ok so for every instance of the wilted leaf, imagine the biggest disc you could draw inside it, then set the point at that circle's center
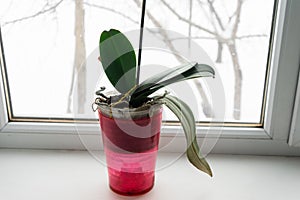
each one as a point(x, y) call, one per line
point(186, 117)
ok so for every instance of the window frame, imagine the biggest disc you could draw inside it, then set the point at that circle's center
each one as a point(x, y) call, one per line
point(3, 105)
point(294, 137)
point(273, 138)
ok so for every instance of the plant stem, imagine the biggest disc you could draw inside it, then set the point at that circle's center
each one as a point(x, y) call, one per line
point(141, 42)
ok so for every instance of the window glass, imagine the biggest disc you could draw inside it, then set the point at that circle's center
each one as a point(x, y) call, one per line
point(43, 39)
point(235, 34)
point(40, 39)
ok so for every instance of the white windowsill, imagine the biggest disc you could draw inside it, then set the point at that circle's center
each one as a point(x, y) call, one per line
point(47, 174)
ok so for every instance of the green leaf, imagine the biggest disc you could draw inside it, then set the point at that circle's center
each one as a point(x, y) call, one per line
point(118, 59)
point(173, 75)
point(186, 117)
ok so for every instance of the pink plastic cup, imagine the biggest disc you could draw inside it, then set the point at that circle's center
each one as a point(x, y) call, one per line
point(130, 145)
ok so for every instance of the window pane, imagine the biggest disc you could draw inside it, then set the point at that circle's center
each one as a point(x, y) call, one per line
point(236, 36)
point(40, 42)
point(40, 60)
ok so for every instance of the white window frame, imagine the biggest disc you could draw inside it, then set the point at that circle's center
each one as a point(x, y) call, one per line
point(281, 129)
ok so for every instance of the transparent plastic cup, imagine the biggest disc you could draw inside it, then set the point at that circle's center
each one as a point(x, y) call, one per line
point(130, 140)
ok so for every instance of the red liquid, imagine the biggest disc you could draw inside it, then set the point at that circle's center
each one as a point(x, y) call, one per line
point(131, 156)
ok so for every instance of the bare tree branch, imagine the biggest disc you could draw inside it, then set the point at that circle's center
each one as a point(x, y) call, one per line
point(190, 26)
point(112, 10)
point(163, 33)
point(71, 90)
point(237, 18)
point(204, 11)
point(80, 54)
point(207, 110)
point(206, 107)
point(238, 80)
point(231, 44)
point(79, 59)
point(45, 10)
point(250, 36)
point(193, 38)
point(213, 10)
point(224, 40)
point(186, 20)
point(214, 16)
point(219, 53)
point(236, 64)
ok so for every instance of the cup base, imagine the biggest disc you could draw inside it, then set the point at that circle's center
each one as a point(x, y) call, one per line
point(130, 184)
point(133, 193)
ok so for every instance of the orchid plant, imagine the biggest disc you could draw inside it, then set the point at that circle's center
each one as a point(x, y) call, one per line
point(118, 59)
